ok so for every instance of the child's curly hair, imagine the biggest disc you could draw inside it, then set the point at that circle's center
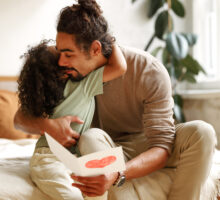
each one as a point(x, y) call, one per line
point(40, 84)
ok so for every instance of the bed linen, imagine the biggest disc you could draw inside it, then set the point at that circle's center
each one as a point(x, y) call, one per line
point(15, 182)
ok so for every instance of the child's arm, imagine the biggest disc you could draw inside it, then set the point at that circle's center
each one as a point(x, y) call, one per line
point(116, 65)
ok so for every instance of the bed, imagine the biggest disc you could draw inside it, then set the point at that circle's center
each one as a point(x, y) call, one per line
point(15, 182)
point(16, 148)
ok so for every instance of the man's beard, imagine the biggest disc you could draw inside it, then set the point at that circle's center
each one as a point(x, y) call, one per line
point(78, 77)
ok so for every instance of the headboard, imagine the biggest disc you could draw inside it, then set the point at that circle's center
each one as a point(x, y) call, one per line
point(9, 83)
point(8, 107)
point(8, 78)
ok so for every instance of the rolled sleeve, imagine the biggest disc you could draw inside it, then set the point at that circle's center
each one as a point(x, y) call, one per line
point(158, 108)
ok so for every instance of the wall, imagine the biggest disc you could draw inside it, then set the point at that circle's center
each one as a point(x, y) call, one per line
point(25, 23)
point(204, 106)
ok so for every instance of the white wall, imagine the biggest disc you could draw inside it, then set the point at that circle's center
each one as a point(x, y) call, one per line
point(25, 23)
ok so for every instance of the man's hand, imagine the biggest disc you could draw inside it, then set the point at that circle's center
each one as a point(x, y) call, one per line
point(95, 186)
point(60, 129)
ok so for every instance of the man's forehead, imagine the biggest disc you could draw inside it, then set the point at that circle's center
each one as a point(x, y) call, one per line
point(64, 48)
point(64, 42)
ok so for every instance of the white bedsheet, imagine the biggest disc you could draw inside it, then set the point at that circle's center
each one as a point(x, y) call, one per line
point(211, 188)
point(15, 182)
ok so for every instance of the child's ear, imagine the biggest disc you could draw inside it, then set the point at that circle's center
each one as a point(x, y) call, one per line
point(96, 48)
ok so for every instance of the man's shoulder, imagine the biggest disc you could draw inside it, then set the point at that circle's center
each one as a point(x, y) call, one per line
point(132, 51)
point(141, 61)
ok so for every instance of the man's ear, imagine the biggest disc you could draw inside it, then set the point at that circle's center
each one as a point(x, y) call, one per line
point(96, 48)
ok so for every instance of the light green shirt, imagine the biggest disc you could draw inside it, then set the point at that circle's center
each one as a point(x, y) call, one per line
point(78, 101)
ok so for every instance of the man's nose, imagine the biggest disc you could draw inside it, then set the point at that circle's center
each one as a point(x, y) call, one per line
point(62, 61)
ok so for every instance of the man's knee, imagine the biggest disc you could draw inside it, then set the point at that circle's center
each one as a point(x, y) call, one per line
point(93, 140)
point(206, 132)
point(204, 135)
point(92, 134)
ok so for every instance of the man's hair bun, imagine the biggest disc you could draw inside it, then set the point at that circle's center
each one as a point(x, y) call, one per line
point(90, 6)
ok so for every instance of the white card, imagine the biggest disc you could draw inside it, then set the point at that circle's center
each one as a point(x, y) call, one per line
point(110, 160)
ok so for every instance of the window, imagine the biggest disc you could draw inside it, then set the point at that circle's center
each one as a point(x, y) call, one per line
point(206, 24)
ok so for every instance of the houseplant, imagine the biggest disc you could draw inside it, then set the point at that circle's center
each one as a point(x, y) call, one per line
point(175, 51)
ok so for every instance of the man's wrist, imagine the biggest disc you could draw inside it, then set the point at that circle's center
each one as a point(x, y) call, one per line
point(115, 179)
point(120, 179)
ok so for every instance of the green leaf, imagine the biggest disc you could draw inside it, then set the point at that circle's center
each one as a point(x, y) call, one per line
point(178, 113)
point(171, 70)
point(161, 24)
point(154, 6)
point(191, 38)
point(192, 65)
point(178, 72)
point(178, 100)
point(177, 45)
point(155, 51)
point(165, 56)
point(188, 76)
point(174, 70)
point(178, 8)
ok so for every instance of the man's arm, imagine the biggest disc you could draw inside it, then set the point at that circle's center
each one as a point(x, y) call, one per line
point(142, 165)
point(116, 65)
point(58, 128)
point(147, 162)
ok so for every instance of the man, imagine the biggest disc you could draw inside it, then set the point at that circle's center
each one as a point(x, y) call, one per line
point(135, 112)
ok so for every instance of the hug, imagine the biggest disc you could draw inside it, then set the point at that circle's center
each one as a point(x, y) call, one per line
point(91, 94)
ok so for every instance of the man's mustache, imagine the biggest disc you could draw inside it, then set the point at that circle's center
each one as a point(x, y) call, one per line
point(68, 68)
point(79, 76)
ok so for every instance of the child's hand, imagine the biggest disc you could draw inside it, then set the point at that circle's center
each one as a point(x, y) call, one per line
point(60, 129)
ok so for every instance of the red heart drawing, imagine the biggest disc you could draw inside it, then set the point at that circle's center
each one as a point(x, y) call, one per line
point(101, 163)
